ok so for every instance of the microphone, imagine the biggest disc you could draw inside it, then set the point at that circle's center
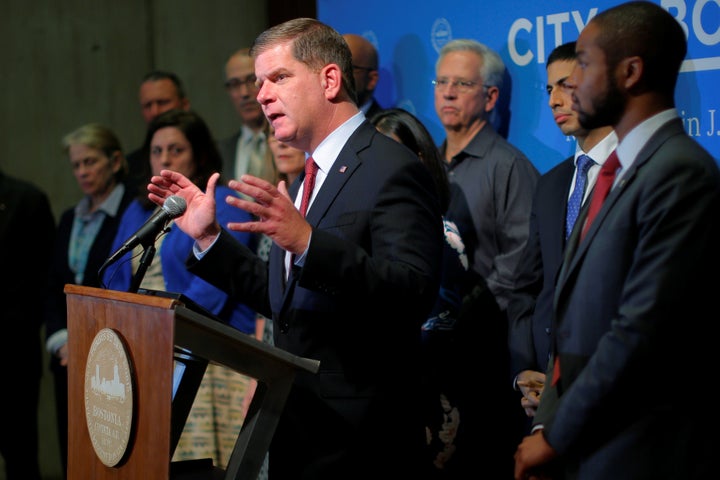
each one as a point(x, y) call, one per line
point(173, 207)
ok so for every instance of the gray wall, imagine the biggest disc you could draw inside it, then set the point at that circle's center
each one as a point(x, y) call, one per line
point(70, 62)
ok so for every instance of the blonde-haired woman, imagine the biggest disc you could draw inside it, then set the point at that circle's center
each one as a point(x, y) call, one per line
point(85, 235)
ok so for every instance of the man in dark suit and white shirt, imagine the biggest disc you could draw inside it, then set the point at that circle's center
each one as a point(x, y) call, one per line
point(530, 305)
point(634, 345)
point(350, 284)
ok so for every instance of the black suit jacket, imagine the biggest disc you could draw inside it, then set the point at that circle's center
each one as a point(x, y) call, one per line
point(369, 280)
point(635, 323)
point(375, 108)
point(530, 306)
point(27, 230)
point(228, 150)
point(60, 273)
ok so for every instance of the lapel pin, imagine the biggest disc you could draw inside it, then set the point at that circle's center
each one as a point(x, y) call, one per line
point(343, 168)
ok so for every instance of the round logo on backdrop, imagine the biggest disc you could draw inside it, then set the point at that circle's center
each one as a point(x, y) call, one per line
point(109, 397)
point(441, 33)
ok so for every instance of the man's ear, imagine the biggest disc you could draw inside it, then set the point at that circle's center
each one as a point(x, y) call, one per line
point(630, 71)
point(373, 78)
point(331, 80)
point(492, 94)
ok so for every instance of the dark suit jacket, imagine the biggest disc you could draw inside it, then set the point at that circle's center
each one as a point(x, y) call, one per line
point(60, 273)
point(636, 324)
point(139, 171)
point(375, 108)
point(228, 148)
point(56, 306)
point(368, 282)
point(530, 305)
point(27, 230)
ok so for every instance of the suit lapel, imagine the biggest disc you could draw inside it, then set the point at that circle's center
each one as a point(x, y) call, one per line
point(573, 261)
point(340, 172)
point(337, 177)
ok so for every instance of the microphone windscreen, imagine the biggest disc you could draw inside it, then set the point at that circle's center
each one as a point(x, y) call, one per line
point(174, 206)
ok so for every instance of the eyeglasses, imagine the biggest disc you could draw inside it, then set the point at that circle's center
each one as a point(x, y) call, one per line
point(367, 69)
point(235, 83)
point(462, 86)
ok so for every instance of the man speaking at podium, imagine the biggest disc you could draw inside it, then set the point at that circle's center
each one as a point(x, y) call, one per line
point(348, 285)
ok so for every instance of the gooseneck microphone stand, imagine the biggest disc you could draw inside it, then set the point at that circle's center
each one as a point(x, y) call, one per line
point(145, 261)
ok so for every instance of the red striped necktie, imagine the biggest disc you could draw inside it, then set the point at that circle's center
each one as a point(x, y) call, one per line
point(604, 183)
point(311, 169)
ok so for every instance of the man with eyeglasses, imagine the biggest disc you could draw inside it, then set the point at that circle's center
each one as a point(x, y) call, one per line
point(493, 184)
point(365, 71)
point(246, 150)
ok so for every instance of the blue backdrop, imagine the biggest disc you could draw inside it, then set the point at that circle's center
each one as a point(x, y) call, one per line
point(408, 36)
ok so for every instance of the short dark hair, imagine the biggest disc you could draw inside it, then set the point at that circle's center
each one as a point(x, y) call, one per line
point(314, 44)
point(205, 154)
point(562, 53)
point(413, 134)
point(157, 75)
point(644, 29)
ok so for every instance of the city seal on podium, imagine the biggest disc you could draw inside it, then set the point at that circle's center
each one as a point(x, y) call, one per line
point(109, 397)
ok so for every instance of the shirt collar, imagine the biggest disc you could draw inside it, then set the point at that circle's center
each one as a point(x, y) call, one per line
point(600, 152)
point(247, 135)
point(636, 139)
point(329, 149)
point(110, 205)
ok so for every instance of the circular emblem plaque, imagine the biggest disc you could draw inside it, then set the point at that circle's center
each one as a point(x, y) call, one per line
point(108, 397)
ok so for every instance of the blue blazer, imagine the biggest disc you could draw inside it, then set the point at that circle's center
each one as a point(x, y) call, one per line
point(634, 324)
point(175, 249)
point(369, 280)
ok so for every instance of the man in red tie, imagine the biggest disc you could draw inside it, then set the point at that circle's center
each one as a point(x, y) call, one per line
point(631, 328)
point(365, 272)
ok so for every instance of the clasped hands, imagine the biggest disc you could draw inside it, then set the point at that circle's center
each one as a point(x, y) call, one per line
point(274, 212)
point(531, 384)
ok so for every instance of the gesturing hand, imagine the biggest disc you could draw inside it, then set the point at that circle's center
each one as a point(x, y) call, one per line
point(276, 214)
point(199, 220)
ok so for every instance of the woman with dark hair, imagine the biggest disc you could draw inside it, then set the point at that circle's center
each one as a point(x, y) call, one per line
point(402, 126)
point(444, 348)
point(180, 140)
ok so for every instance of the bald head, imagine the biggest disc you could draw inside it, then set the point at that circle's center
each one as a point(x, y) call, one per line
point(365, 66)
point(363, 52)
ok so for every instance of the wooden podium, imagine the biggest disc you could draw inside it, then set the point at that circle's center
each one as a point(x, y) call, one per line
point(153, 329)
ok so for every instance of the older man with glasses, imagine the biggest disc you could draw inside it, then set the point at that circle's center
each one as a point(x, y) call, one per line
point(493, 184)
